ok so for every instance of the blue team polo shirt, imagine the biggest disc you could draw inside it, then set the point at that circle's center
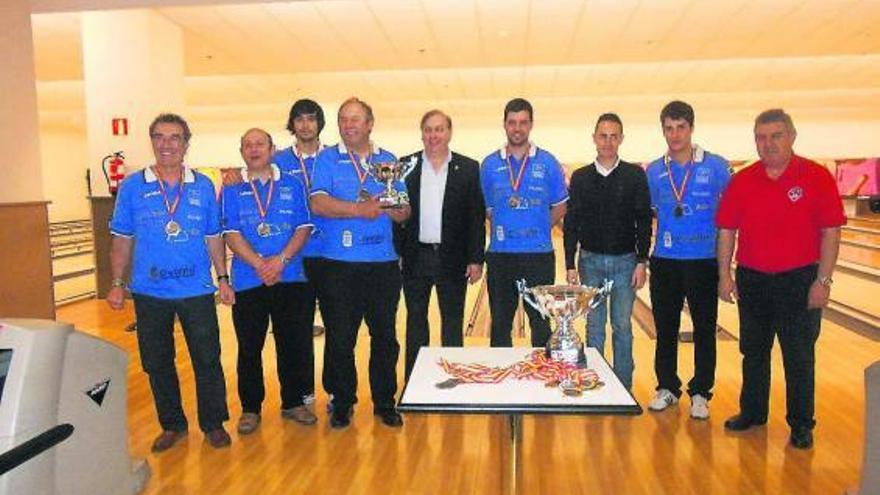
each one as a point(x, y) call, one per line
point(525, 228)
point(290, 165)
point(353, 239)
point(166, 266)
point(288, 211)
point(692, 235)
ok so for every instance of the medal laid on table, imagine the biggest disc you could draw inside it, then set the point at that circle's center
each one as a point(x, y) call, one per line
point(678, 211)
point(363, 194)
point(516, 201)
point(263, 228)
point(172, 228)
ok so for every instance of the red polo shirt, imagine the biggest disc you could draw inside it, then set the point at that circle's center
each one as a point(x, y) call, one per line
point(780, 220)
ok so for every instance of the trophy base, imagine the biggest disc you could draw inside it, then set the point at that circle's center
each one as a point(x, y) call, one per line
point(392, 206)
point(574, 355)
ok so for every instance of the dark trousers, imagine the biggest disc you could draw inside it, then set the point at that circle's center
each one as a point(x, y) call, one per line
point(314, 278)
point(286, 305)
point(352, 293)
point(502, 272)
point(769, 305)
point(425, 273)
point(673, 281)
point(155, 334)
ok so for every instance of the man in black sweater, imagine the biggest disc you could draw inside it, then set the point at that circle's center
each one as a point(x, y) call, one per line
point(609, 219)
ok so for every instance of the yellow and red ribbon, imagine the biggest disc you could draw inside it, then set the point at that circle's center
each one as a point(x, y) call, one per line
point(536, 367)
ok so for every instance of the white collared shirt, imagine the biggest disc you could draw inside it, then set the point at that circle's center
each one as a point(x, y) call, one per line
point(602, 170)
point(276, 174)
point(150, 175)
point(431, 200)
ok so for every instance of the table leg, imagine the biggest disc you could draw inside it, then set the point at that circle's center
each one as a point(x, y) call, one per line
point(512, 475)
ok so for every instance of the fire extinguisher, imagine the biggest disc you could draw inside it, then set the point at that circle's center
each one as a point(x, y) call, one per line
point(114, 170)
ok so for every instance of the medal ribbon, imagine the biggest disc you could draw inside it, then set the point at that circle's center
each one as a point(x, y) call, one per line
point(169, 207)
point(678, 193)
point(516, 183)
point(263, 209)
point(302, 166)
point(536, 367)
point(362, 177)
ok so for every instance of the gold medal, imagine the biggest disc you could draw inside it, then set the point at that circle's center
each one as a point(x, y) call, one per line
point(515, 201)
point(263, 229)
point(172, 228)
point(362, 171)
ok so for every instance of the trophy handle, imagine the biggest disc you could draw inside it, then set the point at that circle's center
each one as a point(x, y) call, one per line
point(529, 297)
point(407, 167)
point(604, 291)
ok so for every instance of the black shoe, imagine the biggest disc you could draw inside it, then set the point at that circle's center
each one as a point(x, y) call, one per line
point(389, 417)
point(340, 417)
point(801, 437)
point(741, 423)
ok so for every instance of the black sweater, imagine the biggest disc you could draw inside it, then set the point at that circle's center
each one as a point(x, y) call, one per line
point(608, 215)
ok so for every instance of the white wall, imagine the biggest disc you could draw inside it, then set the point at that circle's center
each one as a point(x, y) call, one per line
point(63, 153)
point(214, 146)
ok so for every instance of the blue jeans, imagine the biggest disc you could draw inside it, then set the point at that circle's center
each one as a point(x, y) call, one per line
point(155, 333)
point(594, 268)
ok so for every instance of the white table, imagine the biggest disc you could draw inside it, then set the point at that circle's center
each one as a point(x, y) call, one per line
point(511, 397)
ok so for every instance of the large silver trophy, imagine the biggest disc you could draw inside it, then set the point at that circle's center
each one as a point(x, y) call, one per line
point(564, 304)
point(387, 173)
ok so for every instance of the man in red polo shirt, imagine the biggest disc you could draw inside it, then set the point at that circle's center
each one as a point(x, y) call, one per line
point(788, 213)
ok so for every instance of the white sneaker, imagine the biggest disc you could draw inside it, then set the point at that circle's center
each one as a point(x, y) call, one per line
point(699, 407)
point(663, 399)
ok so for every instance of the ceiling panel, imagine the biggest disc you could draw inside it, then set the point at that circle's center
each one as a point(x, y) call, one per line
point(472, 55)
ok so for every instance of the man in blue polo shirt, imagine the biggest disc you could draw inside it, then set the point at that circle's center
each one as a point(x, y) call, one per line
point(686, 185)
point(306, 121)
point(167, 223)
point(266, 224)
point(361, 274)
point(525, 193)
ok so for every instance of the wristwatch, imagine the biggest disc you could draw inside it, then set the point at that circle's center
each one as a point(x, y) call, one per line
point(118, 282)
point(825, 281)
point(221, 278)
point(284, 259)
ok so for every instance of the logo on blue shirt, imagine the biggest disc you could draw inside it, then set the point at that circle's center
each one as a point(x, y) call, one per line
point(157, 273)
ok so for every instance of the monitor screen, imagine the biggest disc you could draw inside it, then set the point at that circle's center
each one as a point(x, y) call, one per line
point(5, 361)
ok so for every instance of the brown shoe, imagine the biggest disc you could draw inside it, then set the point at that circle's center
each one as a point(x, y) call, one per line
point(166, 440)
point(301, 414)
point(248, 423)
point(218, 438)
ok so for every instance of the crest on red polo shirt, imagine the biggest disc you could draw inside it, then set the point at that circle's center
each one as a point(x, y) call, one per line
point(795, 193)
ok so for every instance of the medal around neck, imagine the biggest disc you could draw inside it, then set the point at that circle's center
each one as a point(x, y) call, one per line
point(172, 228)
point(678, 211)
point(564, 304)
point(387, 173)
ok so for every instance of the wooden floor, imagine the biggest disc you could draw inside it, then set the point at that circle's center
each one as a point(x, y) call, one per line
point(651, 454)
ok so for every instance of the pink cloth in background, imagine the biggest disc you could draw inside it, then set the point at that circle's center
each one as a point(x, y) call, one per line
point(858, 178)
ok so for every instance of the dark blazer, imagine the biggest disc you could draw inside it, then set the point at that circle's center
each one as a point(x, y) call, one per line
point(464, 217)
